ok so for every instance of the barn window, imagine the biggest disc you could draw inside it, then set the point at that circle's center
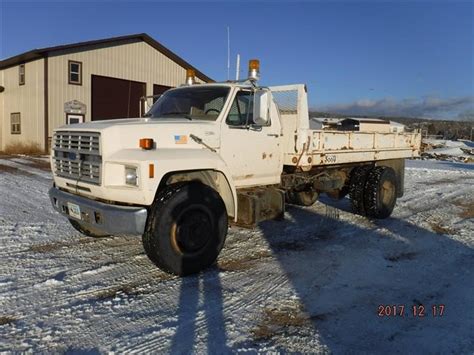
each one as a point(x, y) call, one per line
point(75, 73)
point(15, 123)
point(21, 74)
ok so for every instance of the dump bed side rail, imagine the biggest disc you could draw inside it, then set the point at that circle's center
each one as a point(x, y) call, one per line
point(337, 147)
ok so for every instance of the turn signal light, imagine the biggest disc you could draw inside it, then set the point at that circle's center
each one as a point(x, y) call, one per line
point(146, 143)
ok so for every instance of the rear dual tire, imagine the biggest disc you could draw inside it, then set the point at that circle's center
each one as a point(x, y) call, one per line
point(373, 191)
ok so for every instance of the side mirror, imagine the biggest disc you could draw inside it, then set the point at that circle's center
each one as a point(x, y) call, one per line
point(261, 107)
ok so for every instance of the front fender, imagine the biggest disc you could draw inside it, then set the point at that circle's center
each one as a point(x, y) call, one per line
point(169, 160)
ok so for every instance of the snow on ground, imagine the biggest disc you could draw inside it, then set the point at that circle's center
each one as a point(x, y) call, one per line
point(449, 150)
point(311, 283)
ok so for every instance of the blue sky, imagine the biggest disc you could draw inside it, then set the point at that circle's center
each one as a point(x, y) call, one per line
point(412, 58)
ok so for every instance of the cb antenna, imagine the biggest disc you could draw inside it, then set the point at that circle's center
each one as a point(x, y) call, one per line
point(237, 68)
point(228, 52)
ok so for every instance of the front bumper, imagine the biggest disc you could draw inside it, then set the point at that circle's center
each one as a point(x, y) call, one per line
point(103, 217)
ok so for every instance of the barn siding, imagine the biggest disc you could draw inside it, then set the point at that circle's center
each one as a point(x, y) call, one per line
point(28, 99)
point(2, 108)
point(131, 59)
point(135, 61)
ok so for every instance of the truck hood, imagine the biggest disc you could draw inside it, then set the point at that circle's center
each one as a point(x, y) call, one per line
point(173, 133)
point(100, 125)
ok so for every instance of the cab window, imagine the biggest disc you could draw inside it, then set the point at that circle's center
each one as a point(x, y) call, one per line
point(241, 111)
point(193, 102)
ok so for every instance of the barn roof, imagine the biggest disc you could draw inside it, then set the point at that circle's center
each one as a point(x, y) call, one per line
point(83, 46)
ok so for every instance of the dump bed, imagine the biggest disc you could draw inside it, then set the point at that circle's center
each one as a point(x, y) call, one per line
point(305, 147)
point(335, 147)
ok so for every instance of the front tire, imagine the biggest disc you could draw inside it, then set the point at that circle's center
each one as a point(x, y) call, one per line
point(186, 228)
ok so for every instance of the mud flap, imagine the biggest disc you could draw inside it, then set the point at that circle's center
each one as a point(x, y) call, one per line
point(398, 165)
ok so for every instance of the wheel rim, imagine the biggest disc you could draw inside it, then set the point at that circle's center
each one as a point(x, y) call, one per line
point(388, 192)
point(192, 230)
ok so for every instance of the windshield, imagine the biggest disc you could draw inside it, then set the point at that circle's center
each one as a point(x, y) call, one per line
point(202, 103)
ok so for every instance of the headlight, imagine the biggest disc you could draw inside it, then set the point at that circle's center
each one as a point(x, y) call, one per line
point(131, 177)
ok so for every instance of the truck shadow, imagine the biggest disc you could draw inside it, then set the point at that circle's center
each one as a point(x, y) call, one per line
point(200, 293)
point(341, 272)
point(343, 204)
point(346, 270)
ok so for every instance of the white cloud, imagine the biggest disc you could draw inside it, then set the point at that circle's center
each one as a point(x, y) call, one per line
point(429, 106)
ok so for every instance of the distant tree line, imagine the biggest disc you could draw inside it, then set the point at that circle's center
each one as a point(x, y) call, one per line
point(446, 129)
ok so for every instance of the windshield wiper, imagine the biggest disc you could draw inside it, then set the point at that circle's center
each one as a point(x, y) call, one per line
point(200, 141)
point(181, 114)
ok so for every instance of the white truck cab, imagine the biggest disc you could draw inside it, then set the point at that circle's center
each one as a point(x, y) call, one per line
point(206, 155)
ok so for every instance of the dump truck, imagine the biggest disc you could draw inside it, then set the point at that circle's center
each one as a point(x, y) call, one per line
point(209, 156)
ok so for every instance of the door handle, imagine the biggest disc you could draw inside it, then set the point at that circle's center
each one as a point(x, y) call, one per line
point(273, 135)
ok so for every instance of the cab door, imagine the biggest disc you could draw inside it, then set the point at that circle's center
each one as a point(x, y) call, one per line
point(252, 152)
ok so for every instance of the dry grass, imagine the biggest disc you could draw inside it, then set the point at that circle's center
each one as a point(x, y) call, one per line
point(7, 320)
point(131, 288)
point(8, 169)
point(22, 148)
point(276, 321)
point(244, 262)
point(38, 164)
point(438, 228)
point(440, 182)
point(283, 320)
point(51, 247)
point(108, 293)
point(13, 170)
point(467, 208)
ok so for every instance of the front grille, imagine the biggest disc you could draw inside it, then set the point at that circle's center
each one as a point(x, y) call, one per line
point(77, 156)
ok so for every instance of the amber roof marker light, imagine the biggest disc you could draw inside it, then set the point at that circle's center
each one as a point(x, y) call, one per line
point(254, 69)
point(190, 76)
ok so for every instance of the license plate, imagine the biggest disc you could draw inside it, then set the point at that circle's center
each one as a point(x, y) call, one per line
point(74, 210)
